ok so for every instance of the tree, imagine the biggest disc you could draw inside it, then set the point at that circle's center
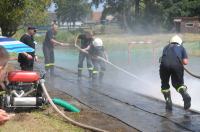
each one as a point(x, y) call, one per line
point(72, 10)
point(11, 14)
point(177, 8)
point(15, 13)
point(36, 13)
point(149, 15)
point(126, 11)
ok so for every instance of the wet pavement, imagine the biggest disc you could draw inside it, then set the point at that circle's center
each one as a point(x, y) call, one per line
point(138, 111)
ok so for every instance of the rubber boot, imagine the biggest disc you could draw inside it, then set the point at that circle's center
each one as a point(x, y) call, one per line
point(47, 74)
point(94, 79)
point(168, 100)
point(52, 73)
point(90, 73)
point(79, 75)
point(101, 74)
point(186, 98)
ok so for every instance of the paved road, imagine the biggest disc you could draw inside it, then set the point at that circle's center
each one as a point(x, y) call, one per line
point(138, 111)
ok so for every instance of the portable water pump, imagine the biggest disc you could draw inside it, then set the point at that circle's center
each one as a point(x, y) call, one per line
point(23, 90)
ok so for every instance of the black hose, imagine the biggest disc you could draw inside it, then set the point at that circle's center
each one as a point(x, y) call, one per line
point(190, 73)
point(186, 70)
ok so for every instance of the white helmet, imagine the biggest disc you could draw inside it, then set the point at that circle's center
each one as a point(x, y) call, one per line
point(176, 39)
point(97, 42)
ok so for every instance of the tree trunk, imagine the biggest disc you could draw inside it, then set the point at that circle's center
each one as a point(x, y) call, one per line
point(137, 8)
point(126, 27)
point(8, 31)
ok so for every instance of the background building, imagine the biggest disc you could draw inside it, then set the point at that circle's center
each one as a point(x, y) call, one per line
point(187, 24)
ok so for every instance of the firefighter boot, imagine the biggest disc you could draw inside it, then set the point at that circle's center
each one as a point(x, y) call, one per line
point(186, 98)
point(168, 100)
point(101, 74)
point(94, 78)
point(90, 73)
point(79, 75)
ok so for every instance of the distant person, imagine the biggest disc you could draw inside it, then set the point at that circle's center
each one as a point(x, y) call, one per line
point(4, 57)
point(85, 40)
point(27, 59)
point(173, 58)
point(48, 48)
point(95, 50)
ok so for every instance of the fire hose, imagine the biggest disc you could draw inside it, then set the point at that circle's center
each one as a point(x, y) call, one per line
point(190, 73)
point(63, 115)
point(113, 65)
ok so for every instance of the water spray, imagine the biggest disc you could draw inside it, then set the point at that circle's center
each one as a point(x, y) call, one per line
point(113, 65)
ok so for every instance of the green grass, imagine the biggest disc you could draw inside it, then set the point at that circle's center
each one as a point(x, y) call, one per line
point(62, 35)
point(156, 38)
point(112, 40)
point(38, 122)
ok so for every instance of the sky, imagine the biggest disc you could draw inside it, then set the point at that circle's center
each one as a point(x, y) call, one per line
point(100, 8)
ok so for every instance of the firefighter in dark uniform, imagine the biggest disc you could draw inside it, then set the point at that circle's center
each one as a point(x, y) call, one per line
point(26, 60)
point(173, 58)
point(85, 40)
point(96, 49)
point(48, 49)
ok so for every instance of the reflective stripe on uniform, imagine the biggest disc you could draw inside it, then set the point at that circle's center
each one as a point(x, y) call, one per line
point(95, 72)
point(2, 92)
point(80, 68)
point(50, 64)
point(165, 90)
point(181, 87)
point(90, 69)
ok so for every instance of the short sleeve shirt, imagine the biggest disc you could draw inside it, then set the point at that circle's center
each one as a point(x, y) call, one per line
point(173, 53)
point(85, 41)
point(28, 40)
point(178, 49)
point(49, 35)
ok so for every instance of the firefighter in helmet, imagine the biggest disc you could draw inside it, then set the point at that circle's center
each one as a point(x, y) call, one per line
point(97, 52)
point(173, 58)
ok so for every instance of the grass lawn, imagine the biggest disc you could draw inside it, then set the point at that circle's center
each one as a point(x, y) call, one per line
point(38, 122)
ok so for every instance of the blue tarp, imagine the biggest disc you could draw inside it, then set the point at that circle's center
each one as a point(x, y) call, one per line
point(12, 45)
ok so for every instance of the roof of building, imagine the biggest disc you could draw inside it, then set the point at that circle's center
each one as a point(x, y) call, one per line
point(96, 16)
point(186, 18)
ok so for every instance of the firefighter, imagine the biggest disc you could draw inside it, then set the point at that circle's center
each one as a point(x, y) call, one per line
point(48, 48)
point(173, 58)
point(85, 40)
point(27, 59)
point(96, 49)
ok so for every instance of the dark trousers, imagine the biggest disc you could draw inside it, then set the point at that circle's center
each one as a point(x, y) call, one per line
point(27, 65)
point(175, 72)
point(82, 57)
point(98, 69)
point(49, 60)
